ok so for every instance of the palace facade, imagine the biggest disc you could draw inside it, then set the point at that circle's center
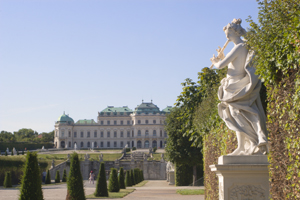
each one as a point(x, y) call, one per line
point(115, 127)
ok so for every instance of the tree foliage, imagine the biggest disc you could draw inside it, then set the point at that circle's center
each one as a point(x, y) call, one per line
point(64, 177)
point(7, 181)
point(75, 182)
point(101, 187)
point(122, 179)
point(113, 185)
point(128, 179)
point(31, 184)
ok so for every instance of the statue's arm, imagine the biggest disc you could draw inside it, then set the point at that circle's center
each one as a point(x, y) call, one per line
point(228, 58)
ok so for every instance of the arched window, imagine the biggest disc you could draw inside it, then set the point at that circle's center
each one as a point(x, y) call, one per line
point(147, 133)
point(95, 145)
point(88, 144)
point(62, 144)
point(154, 133)
point(139, 144)
point(81, 144)
point(154, 143)
point(139, 133)
point(146, 144)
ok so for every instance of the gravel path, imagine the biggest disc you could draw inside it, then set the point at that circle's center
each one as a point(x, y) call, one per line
point(154, 189)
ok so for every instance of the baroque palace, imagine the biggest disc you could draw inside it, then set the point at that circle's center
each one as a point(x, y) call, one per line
point(115, 127)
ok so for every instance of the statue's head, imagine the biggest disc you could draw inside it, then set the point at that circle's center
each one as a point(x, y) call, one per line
point(235, 28)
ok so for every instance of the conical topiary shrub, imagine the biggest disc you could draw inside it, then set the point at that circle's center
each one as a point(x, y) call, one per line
point(64, 177)
point(136, 174)
point(113, 185)
point(17, 152)
point(121, 179)
point(75, 183)
point(31, 184)
point(128, 179)
point(7, 180)
point(48, 178)
point(101, 186)
point(57, 177)
point(12, 153)
point(132, 177)
point(5, 153)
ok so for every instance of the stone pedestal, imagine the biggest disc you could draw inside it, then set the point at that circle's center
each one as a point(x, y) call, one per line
point(171, 178)
point(242, 177)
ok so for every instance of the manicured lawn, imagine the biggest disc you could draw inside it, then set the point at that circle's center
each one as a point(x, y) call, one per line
point(112, 195)
point(190, 191)
point(140, 184)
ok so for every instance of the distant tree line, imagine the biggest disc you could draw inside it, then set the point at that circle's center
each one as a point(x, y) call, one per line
point(26, 135)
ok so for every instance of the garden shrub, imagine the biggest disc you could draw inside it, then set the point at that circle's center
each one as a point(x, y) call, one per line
point(48, 178)
point(132, 177)
point(5, 153)
point(183, 174)
point(128, 179)
point(133, 148)
point(113, 185)
point(31, 184)
point(7, 180)
point(75, 181)
point(154, 149)
point(101, 186)
point(121, 179)
point(64, 177)
point(57, 177)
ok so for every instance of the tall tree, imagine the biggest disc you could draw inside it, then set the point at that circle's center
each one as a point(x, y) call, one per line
point(75, 182)
point(31, 184)
point(101, 187)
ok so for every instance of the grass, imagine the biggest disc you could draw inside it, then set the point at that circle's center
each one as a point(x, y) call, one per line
point(190, 192)
point(112, 195)
point(140, 184)
point(59, 158)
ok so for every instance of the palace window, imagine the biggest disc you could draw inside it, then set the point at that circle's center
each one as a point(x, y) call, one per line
point(108, 144)
point(62, 133)
point(115, 134)
point(154, 133)
point(121, 122)
point(139, 133)
point(121, 144)
point(69, 133)
point(95, 133)
point(122, 134)
point(88, 134)
point(128, 133)
point(108, 134)
point(108, 122)
point(101, 144)
point(128, 122)
point(88, 144)
point(75, 134)
point(154, 121)
point(101, 133)
point(69, 144)
point(81, 134)
point(139, 121)
point(147, 133)
point(101, 122)
point(160, 133)
point(81, 144)
point(128, 143)
point(115, 122)
point(166, 134)
point(115, 144)
point(147, 121)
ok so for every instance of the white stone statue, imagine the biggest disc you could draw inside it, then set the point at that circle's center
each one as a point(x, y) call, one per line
point(240, 106)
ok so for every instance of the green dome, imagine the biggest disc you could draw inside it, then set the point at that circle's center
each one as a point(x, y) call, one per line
point(65, 118)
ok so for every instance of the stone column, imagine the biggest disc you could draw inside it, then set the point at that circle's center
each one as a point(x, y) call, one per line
point(242, 177)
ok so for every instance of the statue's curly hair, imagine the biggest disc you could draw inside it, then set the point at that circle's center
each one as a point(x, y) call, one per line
point(236, 26)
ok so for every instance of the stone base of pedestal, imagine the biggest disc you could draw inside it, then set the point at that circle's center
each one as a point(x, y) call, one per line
point(171, 178)
point(242, 177)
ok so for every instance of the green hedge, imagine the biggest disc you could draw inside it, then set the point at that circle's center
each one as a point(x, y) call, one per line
point(183, 174)
point(20, 146)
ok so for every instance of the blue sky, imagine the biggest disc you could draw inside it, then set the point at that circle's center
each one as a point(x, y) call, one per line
point(80, 56)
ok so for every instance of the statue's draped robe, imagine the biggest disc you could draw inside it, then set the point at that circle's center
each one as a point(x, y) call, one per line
point(241, 107)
